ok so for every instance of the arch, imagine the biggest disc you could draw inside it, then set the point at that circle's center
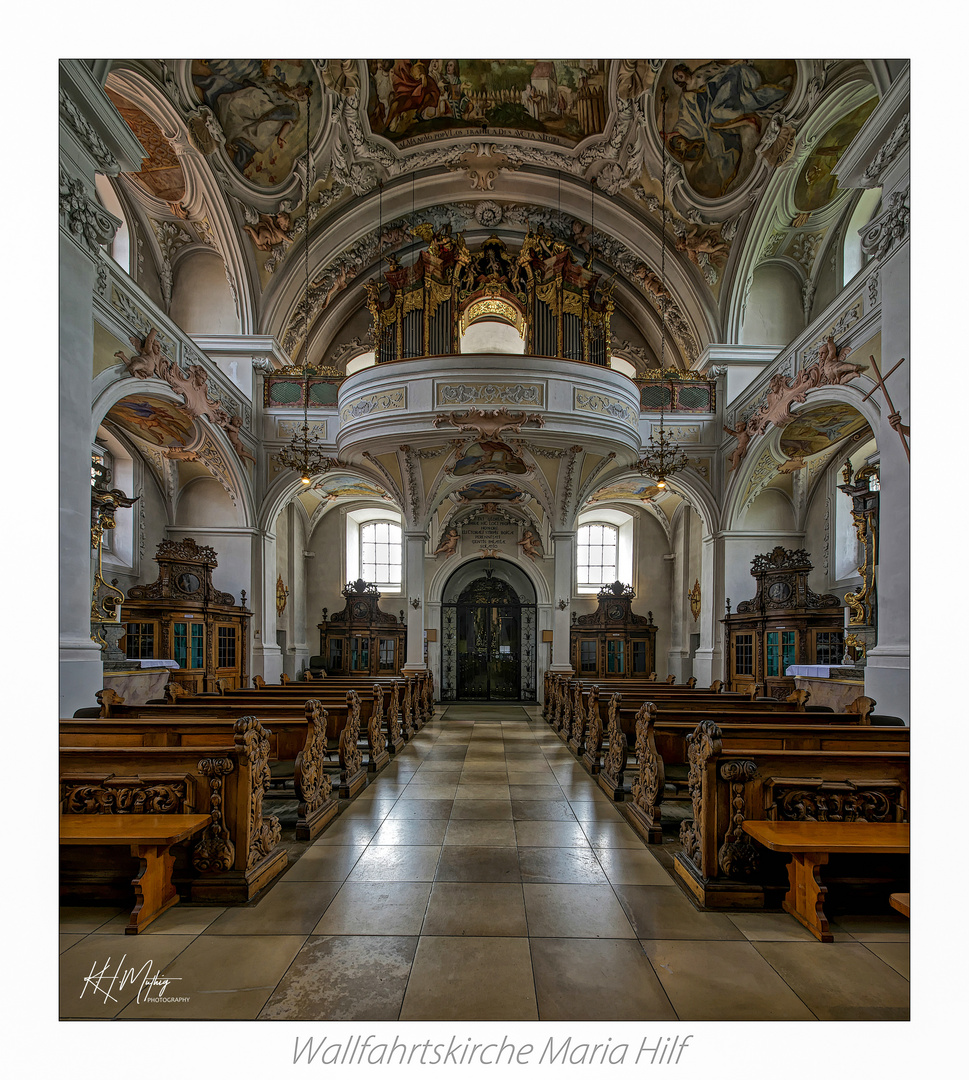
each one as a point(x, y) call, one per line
point(202, 302)
point(774, 312)
point(204, 503)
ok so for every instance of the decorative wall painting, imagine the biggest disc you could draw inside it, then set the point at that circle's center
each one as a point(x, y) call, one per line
point(641, 490)
point(716, 115)
point(562, 99)
point(816, 185)
point(490, 490)
point(156, 421)
point(810, 433)
point(489, 455)
point(261, 106)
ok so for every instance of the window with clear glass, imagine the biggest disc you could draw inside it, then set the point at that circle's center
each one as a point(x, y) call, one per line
point(743, 646)
point(597, 550)
point(227, 646)
point(587, 656)
point(829, 646)
point(385, 661)
point(380, 553)
point(140, 640)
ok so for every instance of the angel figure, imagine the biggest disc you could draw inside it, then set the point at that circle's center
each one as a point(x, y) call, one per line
point(743, 441)
point(449, 544)
point(831, 362)
point(529, 545)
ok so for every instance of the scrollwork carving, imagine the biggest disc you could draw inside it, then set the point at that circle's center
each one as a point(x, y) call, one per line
point(264, 833)
point(351, 757)
point(311, 782)
point(215, 851)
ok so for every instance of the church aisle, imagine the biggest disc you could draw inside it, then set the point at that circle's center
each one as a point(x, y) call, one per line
point(484, 876)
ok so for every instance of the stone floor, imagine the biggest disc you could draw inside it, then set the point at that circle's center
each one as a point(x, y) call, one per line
point(484, 876)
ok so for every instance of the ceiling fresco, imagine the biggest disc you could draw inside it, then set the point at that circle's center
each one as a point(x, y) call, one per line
point(336, 487)
point(158, 422)
point(814, 431)
point(816, 184)
point(715, 115)
point(561, 100)
point(161, 174)
point(261, 106)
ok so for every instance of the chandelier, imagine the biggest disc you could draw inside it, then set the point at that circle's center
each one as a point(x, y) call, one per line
point(304, 453)
point(662, 454)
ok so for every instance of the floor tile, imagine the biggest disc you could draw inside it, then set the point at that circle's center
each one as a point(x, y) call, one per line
point(773, 926)
point(416, 790)
point(224, 978)
point(611, 834)
point(535, 791)
point(480, 833)
point(722, 980)
point(290, 907)
point(396, 864)
point(574, 911)
point(839, 980)
point(895, 953)
point(344, 978)
point(657, 911)
point(82, 919)
point(348, 833)
point(324, 862)
point(551, 834)
point(65, 941)
point(890, 927)
point(494, 809)
point(180, 919)
point(491, 791)
point(631, 866)
point(541, 810)
point(560, 865)
point(420, 808)
point(467, 863)
point(585, 979)
point(475, 909)
point(378, 907)
point(465, 978)
point(421, 831)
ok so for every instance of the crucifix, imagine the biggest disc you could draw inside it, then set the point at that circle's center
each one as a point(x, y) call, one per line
point(894, 418)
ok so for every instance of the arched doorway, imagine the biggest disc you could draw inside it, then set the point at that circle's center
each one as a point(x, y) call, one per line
point(488, 621)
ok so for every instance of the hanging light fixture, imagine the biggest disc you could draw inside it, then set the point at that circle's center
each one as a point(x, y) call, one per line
point(662, 456)
point(304, 453)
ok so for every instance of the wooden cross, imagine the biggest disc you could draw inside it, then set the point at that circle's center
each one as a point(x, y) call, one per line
point(894, 418)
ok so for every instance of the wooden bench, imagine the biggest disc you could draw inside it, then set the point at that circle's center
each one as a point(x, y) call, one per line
point(238, 852)
point(297, 745)
point(809, 843)
point(900, 902)
point(150, 838)
point(661, 753)
point(718, 863)
point(343, 725)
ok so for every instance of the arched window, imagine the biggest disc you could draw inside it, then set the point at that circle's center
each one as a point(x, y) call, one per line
point(597, 553)
point(375, 548)
point(603, 549)
point(380, 551)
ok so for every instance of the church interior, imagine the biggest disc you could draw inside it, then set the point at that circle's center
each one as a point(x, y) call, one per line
point(484, 539)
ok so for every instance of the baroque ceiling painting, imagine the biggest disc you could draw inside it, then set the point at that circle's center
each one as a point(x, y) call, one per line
point(154, 420)
point(814, 431)
point(642, 490)
point(489, 455)
point(816, 183)
point(563, 100)
point(490, 491)
point(161, 174)
point(716, 114)
point(335, 487)
point(261, 106)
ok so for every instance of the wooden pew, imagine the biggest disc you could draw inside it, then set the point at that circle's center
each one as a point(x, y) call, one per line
point(300, 741)
point(237, 853)
point(809, 843)
point(662, 748)
point(719, 864)
point(149, 838)
point(621, 732)
point(343, 722)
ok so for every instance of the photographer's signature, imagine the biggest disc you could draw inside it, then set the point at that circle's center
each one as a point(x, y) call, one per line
point(152, 985)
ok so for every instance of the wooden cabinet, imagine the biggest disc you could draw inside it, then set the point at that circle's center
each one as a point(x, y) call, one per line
point(784, 624)
point(613, 640)
point(361, 639)
point(183, 617)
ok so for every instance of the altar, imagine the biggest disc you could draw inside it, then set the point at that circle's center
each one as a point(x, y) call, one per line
point(833, 685)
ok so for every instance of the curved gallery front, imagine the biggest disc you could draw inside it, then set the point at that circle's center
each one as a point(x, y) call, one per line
point(488, 622)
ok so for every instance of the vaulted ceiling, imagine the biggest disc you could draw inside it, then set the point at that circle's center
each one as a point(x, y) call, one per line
point(291, 171)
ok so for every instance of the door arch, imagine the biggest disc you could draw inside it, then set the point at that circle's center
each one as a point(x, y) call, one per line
point(488, 619)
